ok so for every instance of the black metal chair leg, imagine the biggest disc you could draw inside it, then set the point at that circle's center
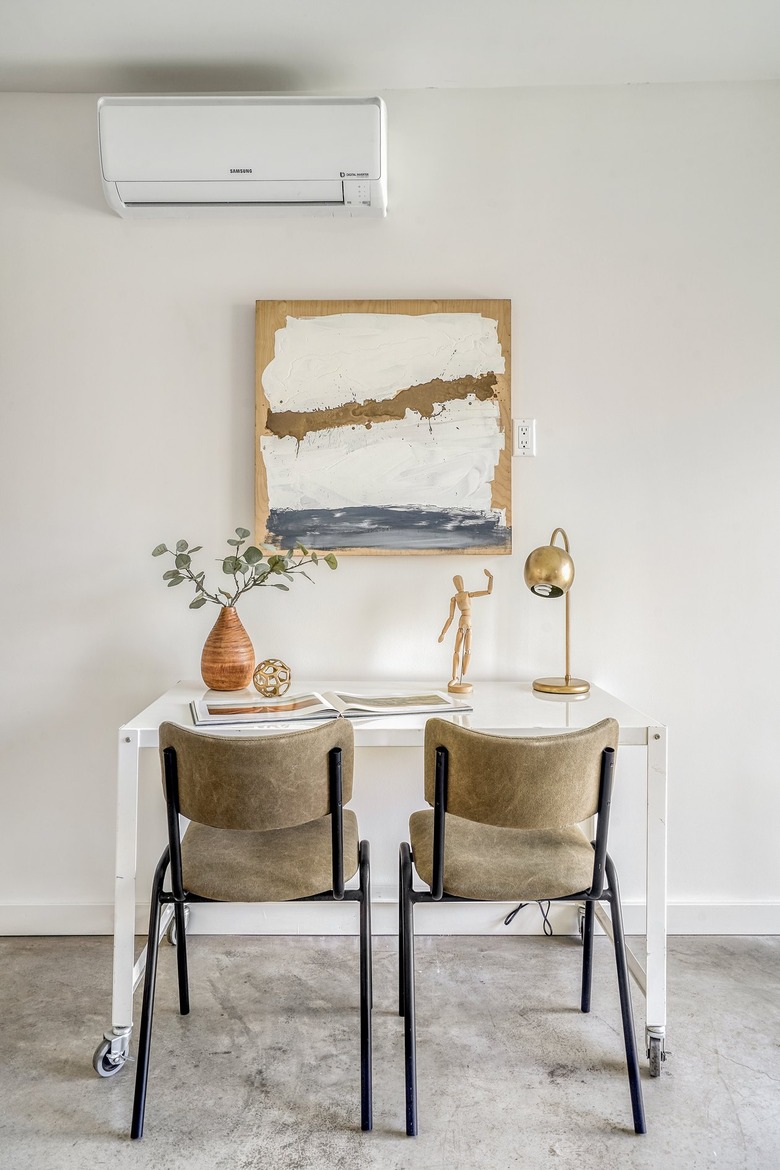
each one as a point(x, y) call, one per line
point(626, 1007)
point(401, 967)
point(410, 1040)
point(366, 989)
point(181, 959)
point(369, 936)
point(587, 954)
point(147, 1008)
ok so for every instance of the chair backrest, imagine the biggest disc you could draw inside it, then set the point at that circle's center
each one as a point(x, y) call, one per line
point(258, 782)
point(527, 782)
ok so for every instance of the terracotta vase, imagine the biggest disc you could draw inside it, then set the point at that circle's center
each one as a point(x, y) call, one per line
point(228, 659)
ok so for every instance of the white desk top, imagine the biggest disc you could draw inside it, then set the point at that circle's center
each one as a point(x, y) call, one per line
point(504, 708)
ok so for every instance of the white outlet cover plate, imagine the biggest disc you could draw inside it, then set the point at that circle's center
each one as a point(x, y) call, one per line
point(524, 433)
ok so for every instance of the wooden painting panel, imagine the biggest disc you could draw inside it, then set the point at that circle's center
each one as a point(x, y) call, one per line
point(384, 426)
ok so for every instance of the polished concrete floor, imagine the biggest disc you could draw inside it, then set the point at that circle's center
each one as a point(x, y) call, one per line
point(264, 1072)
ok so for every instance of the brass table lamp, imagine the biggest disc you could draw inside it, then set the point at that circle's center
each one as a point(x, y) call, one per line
point(549, 572)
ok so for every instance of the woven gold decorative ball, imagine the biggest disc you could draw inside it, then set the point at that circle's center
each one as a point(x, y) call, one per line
point(272, 677)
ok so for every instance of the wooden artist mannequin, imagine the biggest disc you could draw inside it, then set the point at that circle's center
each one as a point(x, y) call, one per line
point(462, 600)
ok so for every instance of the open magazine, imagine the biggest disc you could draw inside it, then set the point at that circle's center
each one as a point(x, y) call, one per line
point(316, 705)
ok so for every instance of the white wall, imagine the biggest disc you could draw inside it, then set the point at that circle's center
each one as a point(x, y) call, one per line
point(636, 232)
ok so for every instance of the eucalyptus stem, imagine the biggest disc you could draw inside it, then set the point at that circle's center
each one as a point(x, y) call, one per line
point(257, 567)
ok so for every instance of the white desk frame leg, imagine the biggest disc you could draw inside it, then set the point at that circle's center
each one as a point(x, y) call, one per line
point(124, 980)
point(651, 979)
point(113, 1050)
point(657, 760)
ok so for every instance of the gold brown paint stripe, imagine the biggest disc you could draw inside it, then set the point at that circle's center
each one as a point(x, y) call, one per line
point(422, 399)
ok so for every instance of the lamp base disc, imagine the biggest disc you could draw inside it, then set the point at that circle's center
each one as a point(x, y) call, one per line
point(559, 686)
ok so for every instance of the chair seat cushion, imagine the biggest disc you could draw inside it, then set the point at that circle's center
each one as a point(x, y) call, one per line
point(491, 864)
point(278, 865)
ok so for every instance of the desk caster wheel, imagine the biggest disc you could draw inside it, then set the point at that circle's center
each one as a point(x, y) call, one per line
point(656, 1054)
point(110, 1057)
point(171, 934)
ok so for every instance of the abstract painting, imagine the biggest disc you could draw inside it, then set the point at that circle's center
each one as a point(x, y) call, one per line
point(384, 426)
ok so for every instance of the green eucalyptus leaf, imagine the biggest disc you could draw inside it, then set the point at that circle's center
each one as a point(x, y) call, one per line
point(315, 558)
point(331, 561)
point(252, 555)
point(235, 543)
point(197, 603)
point(230, 565)
point(183, 560)
point(175, 581)
point(158, 552)
point(170, 574)
point(242, 532)
point(181, 546)
point(303, 549)
point(197, 548)
point(224, 594)
point(279, 585)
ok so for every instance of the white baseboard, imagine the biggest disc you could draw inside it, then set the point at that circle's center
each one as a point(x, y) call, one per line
point(734, 918)
point(723, 917)
point(73, 918)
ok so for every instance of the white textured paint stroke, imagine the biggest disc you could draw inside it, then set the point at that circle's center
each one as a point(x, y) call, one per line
point(322, 362)
point(445, 462)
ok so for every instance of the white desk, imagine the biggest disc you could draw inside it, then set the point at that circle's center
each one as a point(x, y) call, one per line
point(507, 708)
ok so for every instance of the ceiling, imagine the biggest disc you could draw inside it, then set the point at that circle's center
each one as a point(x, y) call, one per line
point(103, 46)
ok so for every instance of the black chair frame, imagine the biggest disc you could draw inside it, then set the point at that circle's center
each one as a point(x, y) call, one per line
point(604, 888)
point(179, 898)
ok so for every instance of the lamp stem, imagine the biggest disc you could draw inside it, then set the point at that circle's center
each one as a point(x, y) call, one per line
point(564, 536)
point(568, 670)
point(565, 539)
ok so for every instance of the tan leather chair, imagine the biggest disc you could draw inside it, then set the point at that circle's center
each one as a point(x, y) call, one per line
point(267, 825)
point(504, 827)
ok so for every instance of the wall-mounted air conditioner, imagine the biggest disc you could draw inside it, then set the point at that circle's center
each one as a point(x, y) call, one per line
point(189, 154)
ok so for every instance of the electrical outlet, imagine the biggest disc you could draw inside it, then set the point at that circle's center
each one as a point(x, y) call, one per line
point(525, 437)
